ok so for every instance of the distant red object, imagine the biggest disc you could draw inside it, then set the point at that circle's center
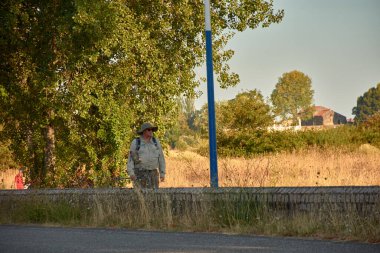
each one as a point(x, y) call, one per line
point(19, 181)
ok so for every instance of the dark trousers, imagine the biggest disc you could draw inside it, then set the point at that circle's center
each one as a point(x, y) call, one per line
point(147, 179)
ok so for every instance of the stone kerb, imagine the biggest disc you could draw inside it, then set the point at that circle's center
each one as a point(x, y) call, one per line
point(290, 198)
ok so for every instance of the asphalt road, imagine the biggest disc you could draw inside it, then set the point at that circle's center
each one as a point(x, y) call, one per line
point(30, 239)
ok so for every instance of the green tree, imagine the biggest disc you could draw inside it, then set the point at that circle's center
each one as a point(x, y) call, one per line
point(180, 126)
point(293, 96)
point(78, 77)
point(61, 96)
point(247, 111)
point(64, 97)
point(242, 124)
point(368, 104)
point(201, 120)
point(188, 109)
point(184, 132)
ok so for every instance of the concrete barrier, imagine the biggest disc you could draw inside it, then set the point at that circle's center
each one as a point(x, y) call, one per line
point(362, 199)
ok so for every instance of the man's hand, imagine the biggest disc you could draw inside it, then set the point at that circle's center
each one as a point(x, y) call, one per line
point(133, 178)
point(162, 179)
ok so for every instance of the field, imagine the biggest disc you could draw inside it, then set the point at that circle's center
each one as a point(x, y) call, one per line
point(313, 167)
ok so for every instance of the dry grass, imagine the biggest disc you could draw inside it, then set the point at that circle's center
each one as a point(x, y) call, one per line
point(313, 167)
point(7, 178)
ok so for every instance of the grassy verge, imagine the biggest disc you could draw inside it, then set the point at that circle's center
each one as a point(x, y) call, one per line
point(150, 211)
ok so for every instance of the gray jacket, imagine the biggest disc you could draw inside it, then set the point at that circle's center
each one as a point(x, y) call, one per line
point(148, 157)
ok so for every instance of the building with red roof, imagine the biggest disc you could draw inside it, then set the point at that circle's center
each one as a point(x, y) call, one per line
point(324, 116)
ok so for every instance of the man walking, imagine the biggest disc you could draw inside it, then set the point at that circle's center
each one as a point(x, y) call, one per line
point(146, 162)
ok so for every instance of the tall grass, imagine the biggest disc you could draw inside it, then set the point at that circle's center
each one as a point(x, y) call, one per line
point(310, 167)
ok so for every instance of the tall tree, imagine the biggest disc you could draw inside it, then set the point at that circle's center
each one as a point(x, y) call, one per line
point(188, 109)
point(293, 96)
point(77, 77)
point(61, 94)
point(180, 126)
point(368, 104)
point(247, 111)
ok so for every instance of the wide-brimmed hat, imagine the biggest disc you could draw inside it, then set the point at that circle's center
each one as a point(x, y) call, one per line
point(146, 126)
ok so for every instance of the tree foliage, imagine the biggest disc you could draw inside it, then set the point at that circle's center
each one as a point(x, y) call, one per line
point(6, 159)
point(246, 112)
point(184, 125)
point(293, 96)
point(78, 77)
point(238, 122)
point(368, 104)
point(65, 101)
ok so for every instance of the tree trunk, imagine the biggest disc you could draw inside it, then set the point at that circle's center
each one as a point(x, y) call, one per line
point(49, 155)
point(34, 162)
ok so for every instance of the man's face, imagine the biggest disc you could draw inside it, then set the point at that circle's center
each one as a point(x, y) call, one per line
point(148, 133)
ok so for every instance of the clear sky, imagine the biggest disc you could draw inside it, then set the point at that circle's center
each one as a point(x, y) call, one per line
point(335, 42)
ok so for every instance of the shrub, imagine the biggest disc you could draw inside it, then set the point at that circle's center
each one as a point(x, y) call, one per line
point(258, 142)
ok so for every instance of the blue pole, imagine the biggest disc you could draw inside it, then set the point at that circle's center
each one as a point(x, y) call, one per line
point(210, 97)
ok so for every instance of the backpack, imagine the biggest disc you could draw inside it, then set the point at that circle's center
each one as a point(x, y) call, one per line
point(138, 142)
